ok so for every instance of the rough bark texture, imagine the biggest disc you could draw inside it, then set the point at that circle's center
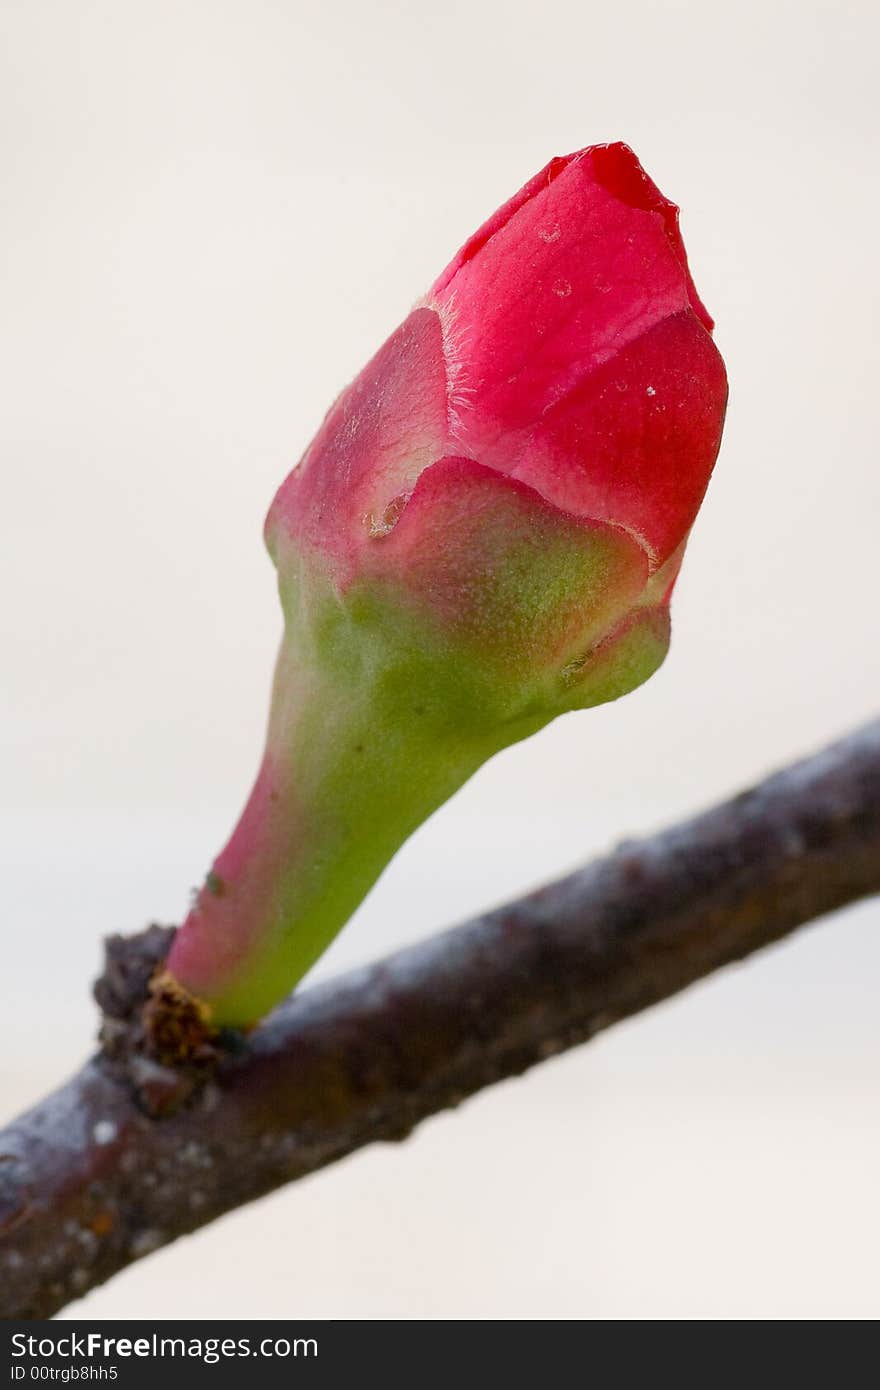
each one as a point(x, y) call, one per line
point(89, 1181)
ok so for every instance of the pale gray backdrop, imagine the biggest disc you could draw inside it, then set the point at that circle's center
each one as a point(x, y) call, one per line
point(212, 212)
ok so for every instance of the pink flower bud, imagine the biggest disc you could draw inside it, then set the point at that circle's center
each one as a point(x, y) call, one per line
point(564, 346)
point(484, 533)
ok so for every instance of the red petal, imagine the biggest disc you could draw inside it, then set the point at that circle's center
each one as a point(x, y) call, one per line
point(635, 441)
point(375, 440)
point(584, 260)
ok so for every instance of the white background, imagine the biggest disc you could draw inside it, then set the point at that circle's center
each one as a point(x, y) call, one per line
point(212, 212)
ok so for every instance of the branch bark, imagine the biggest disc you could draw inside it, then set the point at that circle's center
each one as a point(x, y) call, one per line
point(89, 1182)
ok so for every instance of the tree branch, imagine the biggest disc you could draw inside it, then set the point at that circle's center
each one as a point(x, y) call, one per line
point(89, 1182)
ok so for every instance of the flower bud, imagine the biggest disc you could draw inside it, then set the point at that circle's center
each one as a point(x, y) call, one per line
point(484, 534)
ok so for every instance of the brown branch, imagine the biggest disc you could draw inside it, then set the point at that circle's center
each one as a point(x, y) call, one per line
point(89, 1183)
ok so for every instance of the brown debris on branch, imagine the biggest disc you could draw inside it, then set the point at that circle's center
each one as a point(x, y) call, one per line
point(132, 1153)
